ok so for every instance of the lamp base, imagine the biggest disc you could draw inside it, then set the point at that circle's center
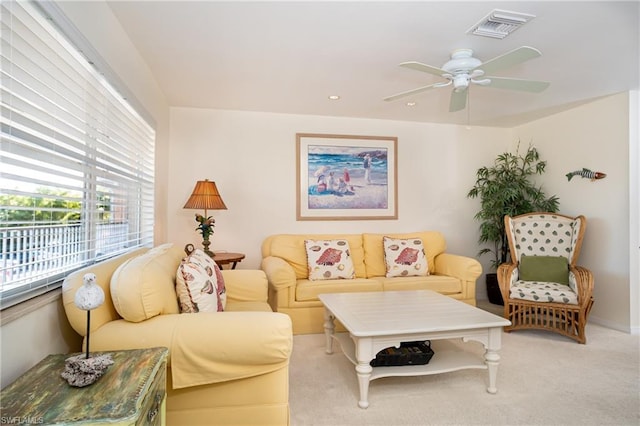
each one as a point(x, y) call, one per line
point(206, 244)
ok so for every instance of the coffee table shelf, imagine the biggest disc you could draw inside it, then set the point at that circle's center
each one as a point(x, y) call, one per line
point(447, 357)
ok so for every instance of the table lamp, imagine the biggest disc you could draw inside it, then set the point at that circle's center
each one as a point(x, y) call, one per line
point(205, 196)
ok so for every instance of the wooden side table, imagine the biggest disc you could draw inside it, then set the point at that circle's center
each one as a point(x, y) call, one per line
point(221, 258)
point(131, 392)
point(225, 258)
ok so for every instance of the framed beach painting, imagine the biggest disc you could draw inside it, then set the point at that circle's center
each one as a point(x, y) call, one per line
point(346, 177)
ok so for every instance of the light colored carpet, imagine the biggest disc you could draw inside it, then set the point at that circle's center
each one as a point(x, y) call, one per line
point(543, 379)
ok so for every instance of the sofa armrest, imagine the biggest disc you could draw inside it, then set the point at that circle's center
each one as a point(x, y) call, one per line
point(245, 285)
point(217, 347)
point(461, 267)
point(207, 347)
point(280, 274)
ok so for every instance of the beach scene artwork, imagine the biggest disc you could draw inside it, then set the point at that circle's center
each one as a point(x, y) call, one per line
point(347, 177)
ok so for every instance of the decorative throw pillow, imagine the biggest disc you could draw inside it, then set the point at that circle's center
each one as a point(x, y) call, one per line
point(405, 257)
point(199, 284)
point(143, 286)
point(544, 269)
point(329, 259)
point(205, 259)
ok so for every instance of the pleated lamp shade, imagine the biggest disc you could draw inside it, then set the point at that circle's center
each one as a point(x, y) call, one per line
point(205, 196)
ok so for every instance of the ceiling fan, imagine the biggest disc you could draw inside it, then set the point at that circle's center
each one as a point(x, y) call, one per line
point(463, 69)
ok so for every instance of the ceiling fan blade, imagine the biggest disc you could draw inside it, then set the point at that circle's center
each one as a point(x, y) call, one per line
point(509, 59)
point(412, 92)
point(518, 84)
point(458, 100)
point(418, 66)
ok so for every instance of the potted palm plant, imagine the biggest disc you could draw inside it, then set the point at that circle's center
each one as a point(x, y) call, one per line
point(507, 188)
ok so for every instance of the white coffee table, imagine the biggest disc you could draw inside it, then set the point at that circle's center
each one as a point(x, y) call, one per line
point(378, 320)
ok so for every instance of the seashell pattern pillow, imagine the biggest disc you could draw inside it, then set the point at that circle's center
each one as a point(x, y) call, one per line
point(199, 284)
point(329, 260)
point(405, 257)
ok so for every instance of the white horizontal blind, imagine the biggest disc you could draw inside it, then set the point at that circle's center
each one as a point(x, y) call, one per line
point(76, 160)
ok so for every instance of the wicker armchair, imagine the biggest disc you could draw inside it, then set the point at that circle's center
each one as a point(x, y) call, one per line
point(543, 241)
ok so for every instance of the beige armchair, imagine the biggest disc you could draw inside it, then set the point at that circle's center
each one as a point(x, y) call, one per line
point(542, 287)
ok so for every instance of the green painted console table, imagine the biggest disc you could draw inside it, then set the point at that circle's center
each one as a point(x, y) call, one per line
point(131, 392)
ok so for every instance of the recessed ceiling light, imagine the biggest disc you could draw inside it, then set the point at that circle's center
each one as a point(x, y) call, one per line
point(410, 104)
point(334, 97)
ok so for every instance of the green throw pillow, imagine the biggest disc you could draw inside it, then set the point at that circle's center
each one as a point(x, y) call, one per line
point(544, 268)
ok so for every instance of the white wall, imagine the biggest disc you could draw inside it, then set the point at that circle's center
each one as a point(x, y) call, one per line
point(634, 213)
point(34, 335)
point(595, 136)
point(251, 157)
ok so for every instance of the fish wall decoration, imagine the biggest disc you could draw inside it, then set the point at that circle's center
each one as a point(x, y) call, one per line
point(586, 173)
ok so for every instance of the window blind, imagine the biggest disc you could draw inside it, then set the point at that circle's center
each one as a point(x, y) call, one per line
point(76, 159)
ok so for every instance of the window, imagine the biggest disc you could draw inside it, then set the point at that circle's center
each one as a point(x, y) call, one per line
point(76, 160)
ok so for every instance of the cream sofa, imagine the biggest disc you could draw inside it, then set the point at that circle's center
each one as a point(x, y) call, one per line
point(225, 368)
point(284, 260)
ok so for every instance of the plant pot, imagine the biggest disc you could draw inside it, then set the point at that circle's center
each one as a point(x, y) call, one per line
point(493, 289)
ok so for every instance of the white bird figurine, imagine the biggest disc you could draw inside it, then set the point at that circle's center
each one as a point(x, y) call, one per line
point(90, 295)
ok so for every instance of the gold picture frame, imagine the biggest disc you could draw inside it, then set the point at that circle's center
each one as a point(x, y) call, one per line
point(346, 177)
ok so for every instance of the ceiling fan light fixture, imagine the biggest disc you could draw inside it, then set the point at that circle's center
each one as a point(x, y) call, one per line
point(500, 23)
point(460, 82)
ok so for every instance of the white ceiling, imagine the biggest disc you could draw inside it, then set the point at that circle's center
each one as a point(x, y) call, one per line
point(288, 57)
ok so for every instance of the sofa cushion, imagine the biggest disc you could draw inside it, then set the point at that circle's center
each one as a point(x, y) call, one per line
point(291, 248)
point(200, 285)
point(144, 286)
point(307, 290)
point(434, 244)
point(443, 284)
point(250, 306)
point(543, 292)
point(329, 259)
point(404, 257)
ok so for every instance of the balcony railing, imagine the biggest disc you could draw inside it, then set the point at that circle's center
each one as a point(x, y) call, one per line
point(34, 253)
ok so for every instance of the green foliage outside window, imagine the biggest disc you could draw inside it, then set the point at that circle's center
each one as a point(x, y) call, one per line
point(52, 207)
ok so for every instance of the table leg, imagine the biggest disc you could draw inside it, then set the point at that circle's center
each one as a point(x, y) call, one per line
point(233, 265)
point(363, 369)
point(329, 330)
point(492, 358)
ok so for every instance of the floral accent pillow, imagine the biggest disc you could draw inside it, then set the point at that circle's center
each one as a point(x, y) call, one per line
point(329, 259)
point(200, 285)
point(405, 257)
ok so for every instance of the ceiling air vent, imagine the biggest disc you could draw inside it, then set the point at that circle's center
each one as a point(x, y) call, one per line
point(500, 23)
